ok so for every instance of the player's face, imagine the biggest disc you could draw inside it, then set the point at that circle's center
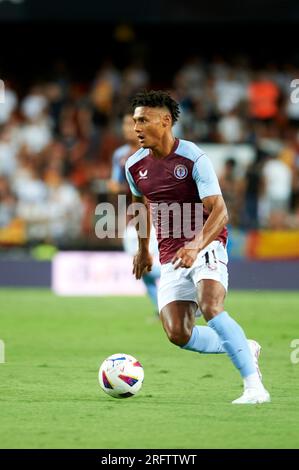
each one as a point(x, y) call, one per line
point(149, 125)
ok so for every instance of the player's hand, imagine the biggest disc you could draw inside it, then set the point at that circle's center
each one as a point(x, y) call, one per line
point(185, 257)
point(142, 263)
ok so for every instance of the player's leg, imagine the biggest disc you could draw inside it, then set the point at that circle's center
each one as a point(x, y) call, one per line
point(177, 305)
point(178, 319)
point(211, 294)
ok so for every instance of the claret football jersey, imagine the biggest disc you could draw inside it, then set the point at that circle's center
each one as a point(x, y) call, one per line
point(179, 180)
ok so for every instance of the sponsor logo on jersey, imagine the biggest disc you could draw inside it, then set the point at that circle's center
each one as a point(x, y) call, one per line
point(143, 174)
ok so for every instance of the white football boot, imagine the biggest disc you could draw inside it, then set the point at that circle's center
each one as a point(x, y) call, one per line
point(256, 395)
point(253, 396)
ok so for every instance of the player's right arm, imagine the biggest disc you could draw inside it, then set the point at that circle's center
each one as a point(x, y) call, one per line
point(142, 261)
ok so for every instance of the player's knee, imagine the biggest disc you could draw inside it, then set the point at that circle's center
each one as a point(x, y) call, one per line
point(179, 337)
point(211, 308)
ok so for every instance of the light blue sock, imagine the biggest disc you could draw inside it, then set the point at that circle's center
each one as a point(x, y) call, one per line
point(204, 340)
point(234, 342)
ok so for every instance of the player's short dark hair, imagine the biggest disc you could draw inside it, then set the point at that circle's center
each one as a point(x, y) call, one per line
point(157, 99)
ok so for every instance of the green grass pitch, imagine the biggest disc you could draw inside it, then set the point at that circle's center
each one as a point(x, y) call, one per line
point(50, 397)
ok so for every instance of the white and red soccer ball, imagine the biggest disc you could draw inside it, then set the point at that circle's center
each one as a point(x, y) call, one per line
point(121, 376)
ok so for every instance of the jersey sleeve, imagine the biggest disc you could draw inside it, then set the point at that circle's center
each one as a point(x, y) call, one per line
point(131, 182)
point(205, 177)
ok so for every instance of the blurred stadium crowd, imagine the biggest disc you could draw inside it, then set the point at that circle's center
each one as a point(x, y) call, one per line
point(57, 141)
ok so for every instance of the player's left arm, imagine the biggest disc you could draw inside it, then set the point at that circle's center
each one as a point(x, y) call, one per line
point(216, 220)
point(210, 194)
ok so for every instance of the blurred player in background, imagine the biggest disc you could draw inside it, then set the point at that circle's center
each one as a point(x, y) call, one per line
point(118, 184)
point(194, 270)
point(151, 277)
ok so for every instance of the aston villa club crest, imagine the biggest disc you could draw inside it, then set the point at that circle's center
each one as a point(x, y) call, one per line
point(180, 172)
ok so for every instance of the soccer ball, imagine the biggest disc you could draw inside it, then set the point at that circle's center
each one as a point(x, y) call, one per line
point(121, 376)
